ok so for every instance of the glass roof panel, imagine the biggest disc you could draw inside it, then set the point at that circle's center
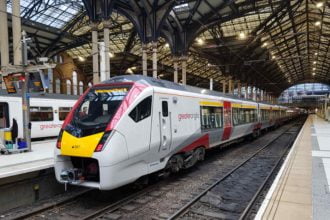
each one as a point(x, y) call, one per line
point(54, 13)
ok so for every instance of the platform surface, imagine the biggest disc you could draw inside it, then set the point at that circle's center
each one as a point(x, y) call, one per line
point(40, 158)
point(301, 188)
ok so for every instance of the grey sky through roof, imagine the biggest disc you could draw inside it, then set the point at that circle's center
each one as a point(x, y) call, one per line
point(54, 13)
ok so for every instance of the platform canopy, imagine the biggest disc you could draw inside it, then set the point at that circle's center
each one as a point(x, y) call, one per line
point(270, 44)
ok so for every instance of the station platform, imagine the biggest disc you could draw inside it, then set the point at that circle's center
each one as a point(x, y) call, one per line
point(301, 189)
point(41, 157)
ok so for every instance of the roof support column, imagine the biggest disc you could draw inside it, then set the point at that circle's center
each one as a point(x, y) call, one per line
point(144, 59)
point(154, 59)
point(223, 86)
point(4, 50)
point(17, 32)
point(239, 89)
point(95, 51)
point(246, 91)
point(4, 43)
point(175, 66)
point(230, 86)
point(211, 84)
point(107, 25)
point(51, 80)
point(184, 70)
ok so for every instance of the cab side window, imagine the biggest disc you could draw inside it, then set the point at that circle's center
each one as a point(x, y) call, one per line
point(142, 110)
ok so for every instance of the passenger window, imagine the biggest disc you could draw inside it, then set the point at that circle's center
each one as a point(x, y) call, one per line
point(41, 114)
point(165, 108)
point(211, 117)
point(142, 110)
point(63, 112)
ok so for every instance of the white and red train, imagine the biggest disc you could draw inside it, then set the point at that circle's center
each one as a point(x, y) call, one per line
point(132, 126)
point(47, 113)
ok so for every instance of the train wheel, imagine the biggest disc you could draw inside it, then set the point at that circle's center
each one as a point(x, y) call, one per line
point(200, 153)
point(176, 163)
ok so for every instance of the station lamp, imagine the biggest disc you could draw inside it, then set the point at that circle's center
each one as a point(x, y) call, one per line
point(317, 23)
point(264, 44)
point(319, 4)
point(167, 45)
point(81, 59)
point(315, 53)
point(200, 41)
point(314, 62)
point(242, 35)
point(111, 55)
point(314, 68)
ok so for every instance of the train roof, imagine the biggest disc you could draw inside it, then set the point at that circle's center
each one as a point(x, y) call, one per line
point(41, 95)
point(171, 85)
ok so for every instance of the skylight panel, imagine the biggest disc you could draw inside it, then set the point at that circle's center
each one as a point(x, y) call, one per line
point(50, 12)
point(181, 8)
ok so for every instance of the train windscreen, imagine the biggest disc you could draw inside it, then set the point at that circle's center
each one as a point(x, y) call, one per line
point(96, 110)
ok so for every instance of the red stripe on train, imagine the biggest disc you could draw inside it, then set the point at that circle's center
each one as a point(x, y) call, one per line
point(227, 121)
point(202, 141)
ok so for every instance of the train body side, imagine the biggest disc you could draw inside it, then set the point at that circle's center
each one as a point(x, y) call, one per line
point(11, 108)
point(150, 126)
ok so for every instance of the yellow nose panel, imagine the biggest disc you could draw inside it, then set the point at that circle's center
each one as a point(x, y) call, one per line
point(80, 147)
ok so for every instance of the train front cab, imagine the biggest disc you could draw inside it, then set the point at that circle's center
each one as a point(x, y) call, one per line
point(106, 148)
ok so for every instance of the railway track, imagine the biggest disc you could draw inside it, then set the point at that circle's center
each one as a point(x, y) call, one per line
point(128, 203)
point(232, 196)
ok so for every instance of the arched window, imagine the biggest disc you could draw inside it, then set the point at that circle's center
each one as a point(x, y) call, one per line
point(57, 86)
point(90, 84)
point(75, 83)
point(68, 87)
point(50, 81)
point(81, 88)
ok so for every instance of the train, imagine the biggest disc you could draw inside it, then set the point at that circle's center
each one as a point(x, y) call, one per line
point(47, 113)
point(131, 126)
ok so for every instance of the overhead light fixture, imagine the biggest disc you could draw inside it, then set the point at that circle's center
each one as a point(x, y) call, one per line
point(316, 54)
point(319, 4)
point(242, 35)
point(317, 23)
point(273, 57)
point(82, 59)
point(167, 45)
point(111, 55)
point(314, 62)
point(313, 73)
point(133, 67)
point(130, 71)
point(264, 44)
point(314, 68)
point(200, 41)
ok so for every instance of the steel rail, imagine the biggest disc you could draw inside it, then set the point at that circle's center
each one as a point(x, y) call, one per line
point(117, 205)
point(50, 206)
point(260, 189)
point(185, 208)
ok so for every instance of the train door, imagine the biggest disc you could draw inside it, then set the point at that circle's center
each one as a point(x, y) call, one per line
point(227, 124)
point(165, 124)
point(4, 115)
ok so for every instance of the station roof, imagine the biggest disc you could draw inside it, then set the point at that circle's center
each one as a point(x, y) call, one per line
point(271, 44)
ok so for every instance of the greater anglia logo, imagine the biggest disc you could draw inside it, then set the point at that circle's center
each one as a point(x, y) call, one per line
point(42, 127)
point(188, 116)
